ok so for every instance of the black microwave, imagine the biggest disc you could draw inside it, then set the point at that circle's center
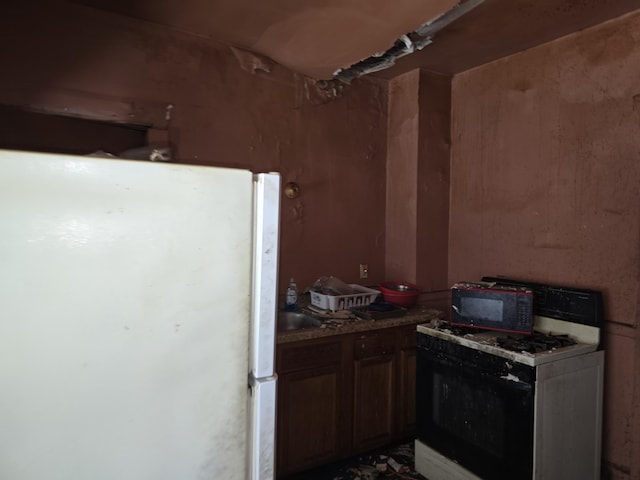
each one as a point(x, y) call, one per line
point(492, 307)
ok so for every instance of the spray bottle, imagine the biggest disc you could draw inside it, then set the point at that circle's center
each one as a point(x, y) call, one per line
point(292, 296)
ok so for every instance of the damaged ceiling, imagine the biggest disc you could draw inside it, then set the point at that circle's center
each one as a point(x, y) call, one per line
point(325, 38)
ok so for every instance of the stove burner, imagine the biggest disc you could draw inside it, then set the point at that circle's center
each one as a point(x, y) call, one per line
point(444, 326)
point(534, 343)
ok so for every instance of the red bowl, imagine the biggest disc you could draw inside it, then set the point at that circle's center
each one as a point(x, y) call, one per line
point(402, 294)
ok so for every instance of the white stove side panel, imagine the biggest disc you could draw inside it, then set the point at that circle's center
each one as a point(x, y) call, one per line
point(568, 418)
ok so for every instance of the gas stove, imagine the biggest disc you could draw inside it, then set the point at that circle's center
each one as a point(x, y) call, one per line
point(499, 405)
point(551, 340)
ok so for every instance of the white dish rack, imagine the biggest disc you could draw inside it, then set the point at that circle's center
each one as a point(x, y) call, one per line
point(364, 297)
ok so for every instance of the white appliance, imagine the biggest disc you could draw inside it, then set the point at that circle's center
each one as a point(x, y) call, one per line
point(137, 320)
point(500, 406)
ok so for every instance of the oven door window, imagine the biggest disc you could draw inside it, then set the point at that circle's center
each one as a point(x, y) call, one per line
point(475, 413)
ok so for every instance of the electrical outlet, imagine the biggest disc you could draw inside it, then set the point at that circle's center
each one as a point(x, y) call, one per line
point(364, 270)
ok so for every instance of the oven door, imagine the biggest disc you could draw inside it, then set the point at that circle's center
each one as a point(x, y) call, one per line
point(475, 408)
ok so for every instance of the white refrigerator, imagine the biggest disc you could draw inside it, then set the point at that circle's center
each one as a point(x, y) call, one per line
point(137, 320)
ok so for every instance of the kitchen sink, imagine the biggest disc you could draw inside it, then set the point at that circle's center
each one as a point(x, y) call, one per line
point(296, 321)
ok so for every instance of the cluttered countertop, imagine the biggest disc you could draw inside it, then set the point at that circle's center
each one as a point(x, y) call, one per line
point(351, 320)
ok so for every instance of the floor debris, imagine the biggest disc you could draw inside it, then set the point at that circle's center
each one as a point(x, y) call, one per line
point(393, 463)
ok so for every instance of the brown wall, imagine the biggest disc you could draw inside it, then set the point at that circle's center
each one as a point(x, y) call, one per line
point(418, 152)
point(546, 186)
point(74, 60)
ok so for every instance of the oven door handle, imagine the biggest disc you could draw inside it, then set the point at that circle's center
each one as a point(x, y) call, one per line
point(508, 380)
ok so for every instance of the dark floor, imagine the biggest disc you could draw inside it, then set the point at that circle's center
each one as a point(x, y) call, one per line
point(393, 463)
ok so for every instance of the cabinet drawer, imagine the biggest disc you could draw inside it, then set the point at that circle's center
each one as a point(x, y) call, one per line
point(292, 358)
point(374, 344)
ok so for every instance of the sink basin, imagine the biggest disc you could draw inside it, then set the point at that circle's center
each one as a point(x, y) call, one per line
point(296, 321)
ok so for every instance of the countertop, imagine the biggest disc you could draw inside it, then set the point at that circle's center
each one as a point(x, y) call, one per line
point(340, 326)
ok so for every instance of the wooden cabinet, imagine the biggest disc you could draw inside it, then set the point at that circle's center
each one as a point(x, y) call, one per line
point(342, 395)
point(374, 380)
point(312, 404)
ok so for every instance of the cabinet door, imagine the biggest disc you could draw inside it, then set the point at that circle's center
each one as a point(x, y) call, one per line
point(308, 418)
point(374, 391)
point(407, 381)
point(311, 392)
point(407, 392)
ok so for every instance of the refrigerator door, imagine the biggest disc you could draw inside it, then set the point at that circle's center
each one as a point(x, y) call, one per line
point(125, 294)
